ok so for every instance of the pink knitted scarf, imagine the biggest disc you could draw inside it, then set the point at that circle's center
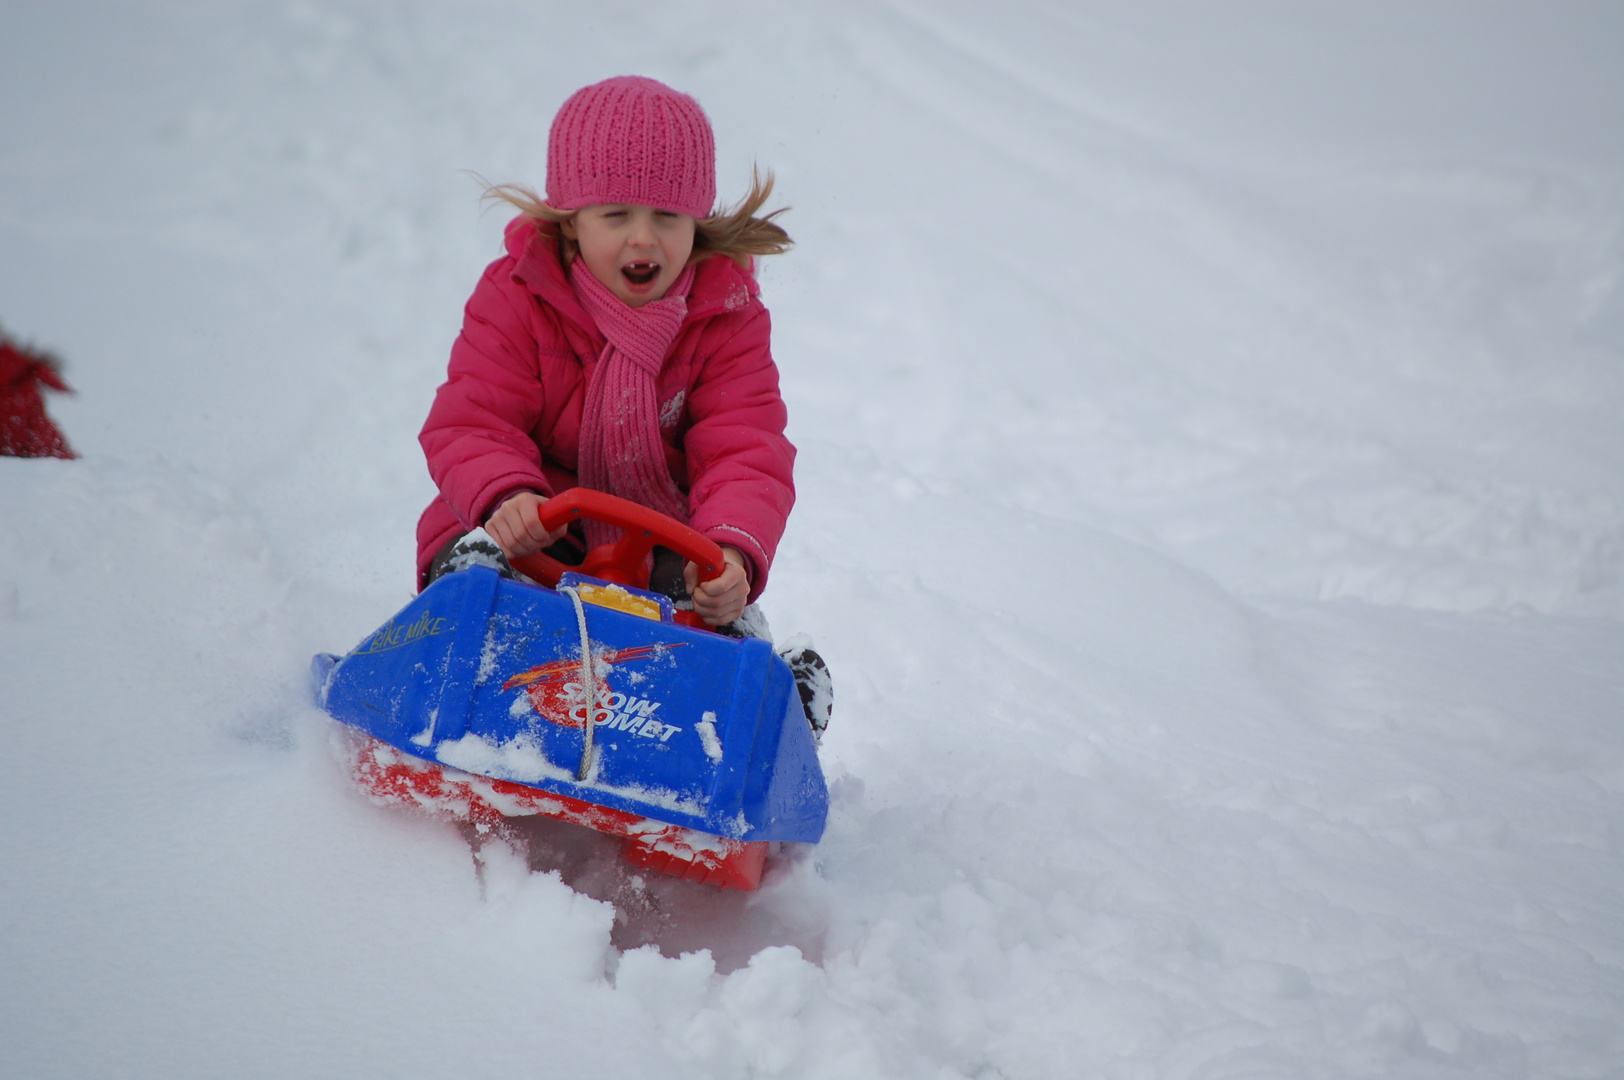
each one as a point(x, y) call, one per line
point(621, 449)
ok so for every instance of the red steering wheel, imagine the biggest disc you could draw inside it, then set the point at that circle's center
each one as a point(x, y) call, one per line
point(625, 562)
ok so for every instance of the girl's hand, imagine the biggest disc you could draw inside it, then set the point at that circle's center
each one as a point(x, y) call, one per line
point(516, 528)
point(721, 600)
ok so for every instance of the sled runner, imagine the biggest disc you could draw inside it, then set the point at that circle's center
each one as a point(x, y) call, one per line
point(473, 701)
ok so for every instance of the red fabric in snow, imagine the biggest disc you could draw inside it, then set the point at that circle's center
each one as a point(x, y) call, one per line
point(508, 416)
point(25, 430)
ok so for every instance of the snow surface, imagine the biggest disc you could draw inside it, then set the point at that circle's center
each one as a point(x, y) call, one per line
point(1211, 508)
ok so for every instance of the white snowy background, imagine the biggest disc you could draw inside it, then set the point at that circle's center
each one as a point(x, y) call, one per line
point(1211, 506)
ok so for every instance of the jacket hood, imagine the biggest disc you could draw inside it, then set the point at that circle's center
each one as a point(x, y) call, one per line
point(720, 286)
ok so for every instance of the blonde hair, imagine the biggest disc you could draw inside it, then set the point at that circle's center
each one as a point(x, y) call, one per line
point(735, 233)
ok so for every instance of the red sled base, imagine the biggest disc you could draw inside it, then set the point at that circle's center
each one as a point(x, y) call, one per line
point(395, 778)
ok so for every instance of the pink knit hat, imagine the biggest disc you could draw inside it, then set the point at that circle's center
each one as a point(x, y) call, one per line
point(632, 140)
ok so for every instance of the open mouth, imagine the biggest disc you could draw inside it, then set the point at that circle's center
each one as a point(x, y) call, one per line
point(640, 273)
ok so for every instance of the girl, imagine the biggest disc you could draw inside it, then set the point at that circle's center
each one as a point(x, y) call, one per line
point(619, 345)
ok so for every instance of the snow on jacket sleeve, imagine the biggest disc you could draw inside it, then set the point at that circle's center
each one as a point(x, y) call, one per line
point(740, 465)
point(477, 436)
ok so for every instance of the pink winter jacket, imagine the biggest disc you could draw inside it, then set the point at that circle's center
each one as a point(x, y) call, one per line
point(508, 416)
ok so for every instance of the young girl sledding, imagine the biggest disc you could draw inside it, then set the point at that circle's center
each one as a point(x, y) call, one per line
point(620, 345)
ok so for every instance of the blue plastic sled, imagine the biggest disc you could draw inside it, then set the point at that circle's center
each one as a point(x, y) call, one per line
point(482, 676)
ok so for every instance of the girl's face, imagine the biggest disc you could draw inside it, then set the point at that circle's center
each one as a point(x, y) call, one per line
point(637, 252)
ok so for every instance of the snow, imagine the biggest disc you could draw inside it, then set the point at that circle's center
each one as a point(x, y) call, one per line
point(521, 759)
point(1211, 510)
point(707, 736)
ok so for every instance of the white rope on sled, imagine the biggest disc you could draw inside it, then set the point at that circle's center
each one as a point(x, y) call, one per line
point(589, 685)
